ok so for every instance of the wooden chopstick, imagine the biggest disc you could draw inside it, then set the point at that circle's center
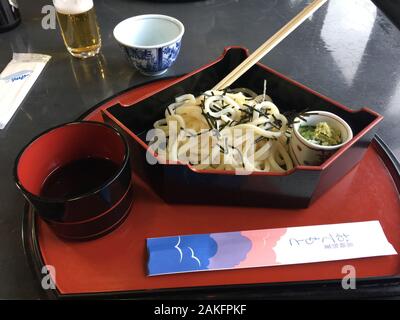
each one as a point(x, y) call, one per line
point(268, 45)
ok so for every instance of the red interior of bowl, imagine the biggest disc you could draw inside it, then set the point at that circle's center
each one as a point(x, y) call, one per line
point(63, 145)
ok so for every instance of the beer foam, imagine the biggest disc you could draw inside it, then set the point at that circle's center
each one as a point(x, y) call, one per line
point(73, 6)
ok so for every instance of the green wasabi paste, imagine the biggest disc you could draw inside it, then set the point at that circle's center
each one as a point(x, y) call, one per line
point(321, 134)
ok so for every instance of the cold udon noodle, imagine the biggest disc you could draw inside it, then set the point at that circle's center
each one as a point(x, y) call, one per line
point(225, 130)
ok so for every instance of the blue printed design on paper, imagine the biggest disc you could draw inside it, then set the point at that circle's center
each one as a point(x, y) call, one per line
point(20, 75)
point(180, 254)
point(153, 60)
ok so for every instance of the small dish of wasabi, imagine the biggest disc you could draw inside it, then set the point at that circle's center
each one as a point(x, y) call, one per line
point(317, 136)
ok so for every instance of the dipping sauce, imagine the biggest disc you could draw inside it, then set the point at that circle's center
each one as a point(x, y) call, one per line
point(78, 177)
point(322, 134)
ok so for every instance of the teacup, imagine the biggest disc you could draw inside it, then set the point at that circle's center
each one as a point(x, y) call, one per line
point(151, 42)
point(306, 152)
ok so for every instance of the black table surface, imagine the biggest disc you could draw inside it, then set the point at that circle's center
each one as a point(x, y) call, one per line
point(348, 51)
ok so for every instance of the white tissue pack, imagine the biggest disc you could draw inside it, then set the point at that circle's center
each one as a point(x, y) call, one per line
point(16, 80)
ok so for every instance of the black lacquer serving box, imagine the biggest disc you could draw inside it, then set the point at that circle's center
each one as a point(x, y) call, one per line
point(297, 188)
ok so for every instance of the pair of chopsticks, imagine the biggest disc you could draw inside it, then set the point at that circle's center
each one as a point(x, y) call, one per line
point(268, 45)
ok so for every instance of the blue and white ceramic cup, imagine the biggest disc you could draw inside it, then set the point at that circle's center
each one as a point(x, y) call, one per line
point(151, 42)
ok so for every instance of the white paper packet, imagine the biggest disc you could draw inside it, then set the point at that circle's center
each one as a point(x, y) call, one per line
point(16, 80)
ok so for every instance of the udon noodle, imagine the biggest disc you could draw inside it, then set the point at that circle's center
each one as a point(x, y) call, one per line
point(225, 130)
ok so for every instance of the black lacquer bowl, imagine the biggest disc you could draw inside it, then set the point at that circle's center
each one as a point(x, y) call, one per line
point(78, 214)
point(297, 188)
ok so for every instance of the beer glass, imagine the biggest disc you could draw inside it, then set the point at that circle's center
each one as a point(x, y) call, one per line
point(79, 28)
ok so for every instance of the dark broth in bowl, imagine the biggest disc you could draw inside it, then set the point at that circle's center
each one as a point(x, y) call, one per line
point(78, 177)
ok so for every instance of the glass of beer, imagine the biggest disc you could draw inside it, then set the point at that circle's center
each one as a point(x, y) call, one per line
point(79, 28)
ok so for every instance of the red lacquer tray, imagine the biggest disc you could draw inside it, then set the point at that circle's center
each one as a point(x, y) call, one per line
point(115, 265)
